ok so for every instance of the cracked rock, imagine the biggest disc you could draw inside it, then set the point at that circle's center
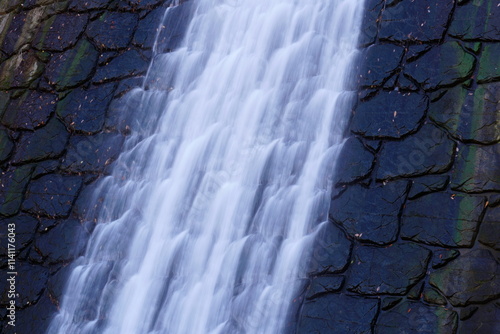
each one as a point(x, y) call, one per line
point(338, 314)
point(469, 115)
point(52, 195)
point(415, 317)
point(390, 270)
point(389, 114)
point(476, 169)
point(429, 151)
point(473, 277)
point(442, 219)
point(370, 214)
point(432, 73)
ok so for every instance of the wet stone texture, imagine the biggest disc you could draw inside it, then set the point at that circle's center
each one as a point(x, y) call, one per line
point(62, 65)
point(417, 186)
point(412, 241)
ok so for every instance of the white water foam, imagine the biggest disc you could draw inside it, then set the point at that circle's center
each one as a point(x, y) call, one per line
point(210, 209)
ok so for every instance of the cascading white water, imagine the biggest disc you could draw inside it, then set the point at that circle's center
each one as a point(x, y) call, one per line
point(210, 209)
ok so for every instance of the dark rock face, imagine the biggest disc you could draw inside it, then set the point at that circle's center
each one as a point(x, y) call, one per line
point(401, 114)
point(61, 243)
point(356, 164)
point(430, 73)
point(31, 110)
point(73, 67)
point(380, 61)
point(427, 184)
point(415, 21)
point(455, 283)
point(423, 209)
point(490, 228)
point(338, 313)
point(413, 317)
point(476, 21)
point(84, 110)
point(324, 284)
point(61, 65)
point(476, 169)
point(112, 30)
point(469, 115)
point(412, 244)
point(52, 195)
point(6, 145)
point(14, 183)
point(392, 270)
point(131, 63)
point(332, 251)
point(370, 214)
point(60, 32)
point(429, 151)
point(91, 154)
point(442, 219)
point(45, 143)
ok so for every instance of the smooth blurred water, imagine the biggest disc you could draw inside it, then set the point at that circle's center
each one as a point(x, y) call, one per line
point(206, 219)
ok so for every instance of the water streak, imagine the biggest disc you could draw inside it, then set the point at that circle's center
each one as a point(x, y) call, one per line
point(208, 214)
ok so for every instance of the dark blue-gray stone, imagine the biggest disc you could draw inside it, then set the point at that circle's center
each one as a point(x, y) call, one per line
point(73, 67)
point(428, 151)
point(176, 22)
point(442, 219)
point(144, 36)
point(379, 62)
point(91, 154)
point(476, 20)
point(337, 314)
point(25, 228)
point(6, 145)
point(112, 30)
point(490, 228)
point(470, 115)
point(84, 110)
point(476, 168)
point(30, 110)
point(324, 284)
point(79, 5)
point(128, 64)
point(60, 32)
point(387, 270)
point(353, 163)
point(330, 252)
point(389, 114)
point(30, 280)
point(427, 184)
point(415, 317)
point(45, 143)
point(14, 184)
point(441, 257)
point(370, 215)
point(424, 21)
point(431, 72)
point(473, 277)
point(62, 243)
point(52, 195)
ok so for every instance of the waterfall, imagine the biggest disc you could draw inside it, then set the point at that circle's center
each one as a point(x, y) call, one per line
point(205, 222)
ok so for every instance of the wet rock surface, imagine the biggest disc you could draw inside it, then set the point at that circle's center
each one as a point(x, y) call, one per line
point(60, 65)
point(423, 216)
point(411, 245)
point(338, 313)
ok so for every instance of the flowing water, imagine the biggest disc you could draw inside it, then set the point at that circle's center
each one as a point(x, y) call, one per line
point(206, 220)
